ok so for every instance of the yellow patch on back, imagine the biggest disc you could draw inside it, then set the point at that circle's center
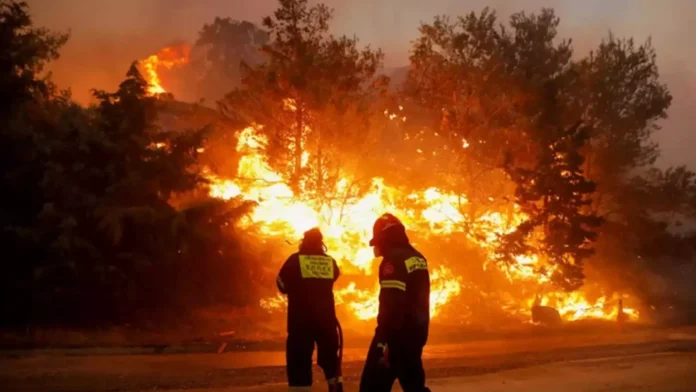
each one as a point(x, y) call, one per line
point(318, 267)
point(416, 263)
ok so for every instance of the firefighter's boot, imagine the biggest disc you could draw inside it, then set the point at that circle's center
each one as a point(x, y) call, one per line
point(337, 387)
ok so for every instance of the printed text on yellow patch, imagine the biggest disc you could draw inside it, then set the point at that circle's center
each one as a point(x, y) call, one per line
point(319, 267)
point(416, 263)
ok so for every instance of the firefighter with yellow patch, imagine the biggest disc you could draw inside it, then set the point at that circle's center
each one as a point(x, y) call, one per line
point(404, 312)
point(307, 278)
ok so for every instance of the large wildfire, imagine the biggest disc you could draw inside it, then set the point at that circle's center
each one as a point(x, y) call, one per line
point(283, 213)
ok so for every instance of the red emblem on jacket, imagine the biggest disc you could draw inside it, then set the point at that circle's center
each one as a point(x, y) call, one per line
point(387, 269)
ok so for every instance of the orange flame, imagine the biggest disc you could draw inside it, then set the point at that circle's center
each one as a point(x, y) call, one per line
point(281, 213)
point(167, 58)
point(573, 306)
point(347, 229)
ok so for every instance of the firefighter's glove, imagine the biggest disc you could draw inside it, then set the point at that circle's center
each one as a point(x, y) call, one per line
point(384, 361)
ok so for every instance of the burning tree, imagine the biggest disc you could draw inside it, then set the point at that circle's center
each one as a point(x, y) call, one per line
point(554, 195)
point(512, 92)
point(502, 92)
point(311, 95)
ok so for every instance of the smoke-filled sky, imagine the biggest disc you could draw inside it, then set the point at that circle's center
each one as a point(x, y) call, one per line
point(107, 35)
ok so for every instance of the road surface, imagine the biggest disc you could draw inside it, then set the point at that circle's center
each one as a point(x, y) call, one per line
point(615, 363)
point(666, 372)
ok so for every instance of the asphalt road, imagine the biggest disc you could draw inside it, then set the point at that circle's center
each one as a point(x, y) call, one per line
point(661, 372)
point(620, 362)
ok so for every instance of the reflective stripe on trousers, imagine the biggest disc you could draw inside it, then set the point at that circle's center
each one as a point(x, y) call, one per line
point(333, 381)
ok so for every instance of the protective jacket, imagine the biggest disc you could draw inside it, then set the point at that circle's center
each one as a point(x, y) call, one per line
point(308, 280)
point(404, 312)
point(404, 297)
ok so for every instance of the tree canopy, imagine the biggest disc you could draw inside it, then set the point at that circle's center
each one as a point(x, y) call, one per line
point(572, 133)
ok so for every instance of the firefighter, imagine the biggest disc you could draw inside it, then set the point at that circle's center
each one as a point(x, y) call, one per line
point(307, 278)
point(404, 312)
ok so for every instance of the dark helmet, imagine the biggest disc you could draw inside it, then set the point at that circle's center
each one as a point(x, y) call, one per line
point(313, 241)
point(382, 225)
point(313, 235)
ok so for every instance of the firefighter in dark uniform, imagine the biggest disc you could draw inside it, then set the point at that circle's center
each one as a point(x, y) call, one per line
point(404, 312)
point(307, 277)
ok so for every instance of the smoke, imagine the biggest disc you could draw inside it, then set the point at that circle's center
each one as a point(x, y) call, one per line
point(108, 35)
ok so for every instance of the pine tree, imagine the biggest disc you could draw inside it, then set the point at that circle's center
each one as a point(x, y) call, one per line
point(556, 196)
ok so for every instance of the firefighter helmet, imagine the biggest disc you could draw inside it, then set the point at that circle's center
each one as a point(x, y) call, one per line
point(313, 235)
point(382, 224)
point(313, 241)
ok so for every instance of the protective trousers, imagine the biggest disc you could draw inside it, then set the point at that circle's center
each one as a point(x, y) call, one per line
point(405, 364)
point(298, 355)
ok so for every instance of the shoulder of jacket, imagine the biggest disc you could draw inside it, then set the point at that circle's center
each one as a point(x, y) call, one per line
point(393, 259)
point(415, 262)
point(419, 254)
point(401, 255)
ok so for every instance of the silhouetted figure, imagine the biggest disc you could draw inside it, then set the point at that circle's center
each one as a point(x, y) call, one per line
point(307, 277)
point(621, 316)
point(545, 315)
point(404, 312)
